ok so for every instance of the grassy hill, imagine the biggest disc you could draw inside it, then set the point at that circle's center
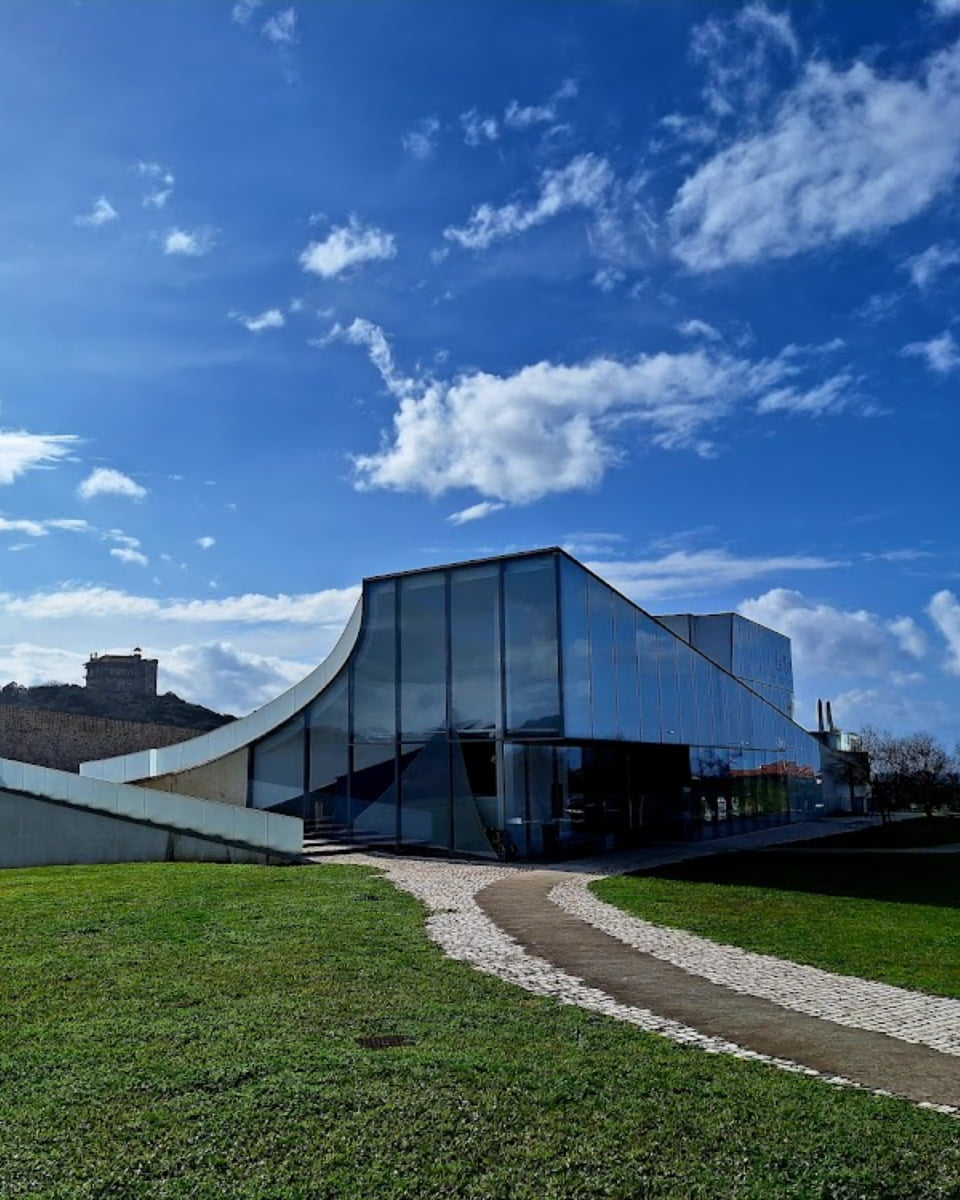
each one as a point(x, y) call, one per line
point(168, 709)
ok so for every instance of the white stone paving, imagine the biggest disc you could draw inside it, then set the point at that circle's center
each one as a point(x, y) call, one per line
point(465, 933)
point(914, 1017)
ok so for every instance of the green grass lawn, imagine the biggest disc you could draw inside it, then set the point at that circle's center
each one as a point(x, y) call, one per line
point(182, 1030)
point(890, 917)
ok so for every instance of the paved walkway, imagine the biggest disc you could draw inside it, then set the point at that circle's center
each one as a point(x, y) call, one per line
point(543, 930)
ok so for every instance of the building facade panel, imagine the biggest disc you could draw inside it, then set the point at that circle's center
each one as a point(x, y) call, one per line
point(522, 708)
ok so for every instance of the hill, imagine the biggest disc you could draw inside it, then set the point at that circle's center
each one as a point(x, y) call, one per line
point(168, 709)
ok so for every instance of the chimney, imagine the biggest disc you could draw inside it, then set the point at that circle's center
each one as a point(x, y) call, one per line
point(820, 715)
point(830, 724)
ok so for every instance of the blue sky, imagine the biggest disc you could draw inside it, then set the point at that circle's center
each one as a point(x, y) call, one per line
point(293, 295)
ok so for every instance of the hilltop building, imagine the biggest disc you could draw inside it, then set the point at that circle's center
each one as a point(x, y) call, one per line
point(127, 673)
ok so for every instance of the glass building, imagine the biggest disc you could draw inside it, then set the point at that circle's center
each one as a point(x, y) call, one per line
point(520, 707)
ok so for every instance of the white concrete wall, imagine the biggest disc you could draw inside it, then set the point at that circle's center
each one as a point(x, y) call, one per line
point(187, 814)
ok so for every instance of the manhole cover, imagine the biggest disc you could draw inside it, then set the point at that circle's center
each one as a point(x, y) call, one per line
point(386, 1042)
point(367, 896)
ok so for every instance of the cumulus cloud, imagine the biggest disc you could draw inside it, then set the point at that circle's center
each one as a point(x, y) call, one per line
point(551, 427)
point(102, 213)
point(281, 28)
point(421, 141)
point(583, 183)
point(104, 481)
point(688, 572)
point(941, 353)
point(21, 451)
point(348, 246)
point(944, 611)
point(522, 116)
point(476, 512)
point(206, 542)
point(478, 127)
point(847, 153)
point(190, 243)
point(159, 183)
point(272, 318)
point(125, 555)
point(839, 642)
point(225, 677)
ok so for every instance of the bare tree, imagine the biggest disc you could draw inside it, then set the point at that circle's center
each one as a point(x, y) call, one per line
point(910, 771)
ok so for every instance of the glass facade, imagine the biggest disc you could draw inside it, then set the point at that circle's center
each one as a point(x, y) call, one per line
point(521, 708)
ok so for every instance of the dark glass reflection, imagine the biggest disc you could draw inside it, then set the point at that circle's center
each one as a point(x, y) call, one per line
point(277, 770)
point(475, 649)
point(328, 767)
point(374, 667)
point(602, 669)
point(532, 650)
point(423, 661)
point(575, 627)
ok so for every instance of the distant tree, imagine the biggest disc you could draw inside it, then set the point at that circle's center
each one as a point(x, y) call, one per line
point(910, 771)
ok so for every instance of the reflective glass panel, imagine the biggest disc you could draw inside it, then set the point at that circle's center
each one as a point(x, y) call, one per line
point(575, 631)
point(625, 653)
point(374, 667)
point(476, 803)
point(474, 649)
point(602, 672)
point(669, 698)
point(373, 792)
point(328, 768)
point(425, 794)
point(686, 691)
point(278, 768)
point(647, 635)
point(423, 662)
point(532, 648)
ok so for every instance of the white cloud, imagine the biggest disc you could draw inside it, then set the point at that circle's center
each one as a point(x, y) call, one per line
point(272, 318)
point(347, 246)
point(421, 141)
point(689, 572)
point(102, 213)
point(946, 8)
point(104, 481)
point(190, 244)
point(944, 611)
point(479, 127)
point(836, 641)
point(21, 451)
point(281, 28)
point(585, 182)
point(206, 542)
point(551, 427)
point(738, 53)
point(695, 328)
point(225, 677)
point(243, 10)
point(332, 606)
point(124, 555)
point(927, 267)
point(831, 396)
point(43, 527)
point(941, 353)
point(518, 116)
point(476, 512)
point(848, 153)
point(159, 182)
